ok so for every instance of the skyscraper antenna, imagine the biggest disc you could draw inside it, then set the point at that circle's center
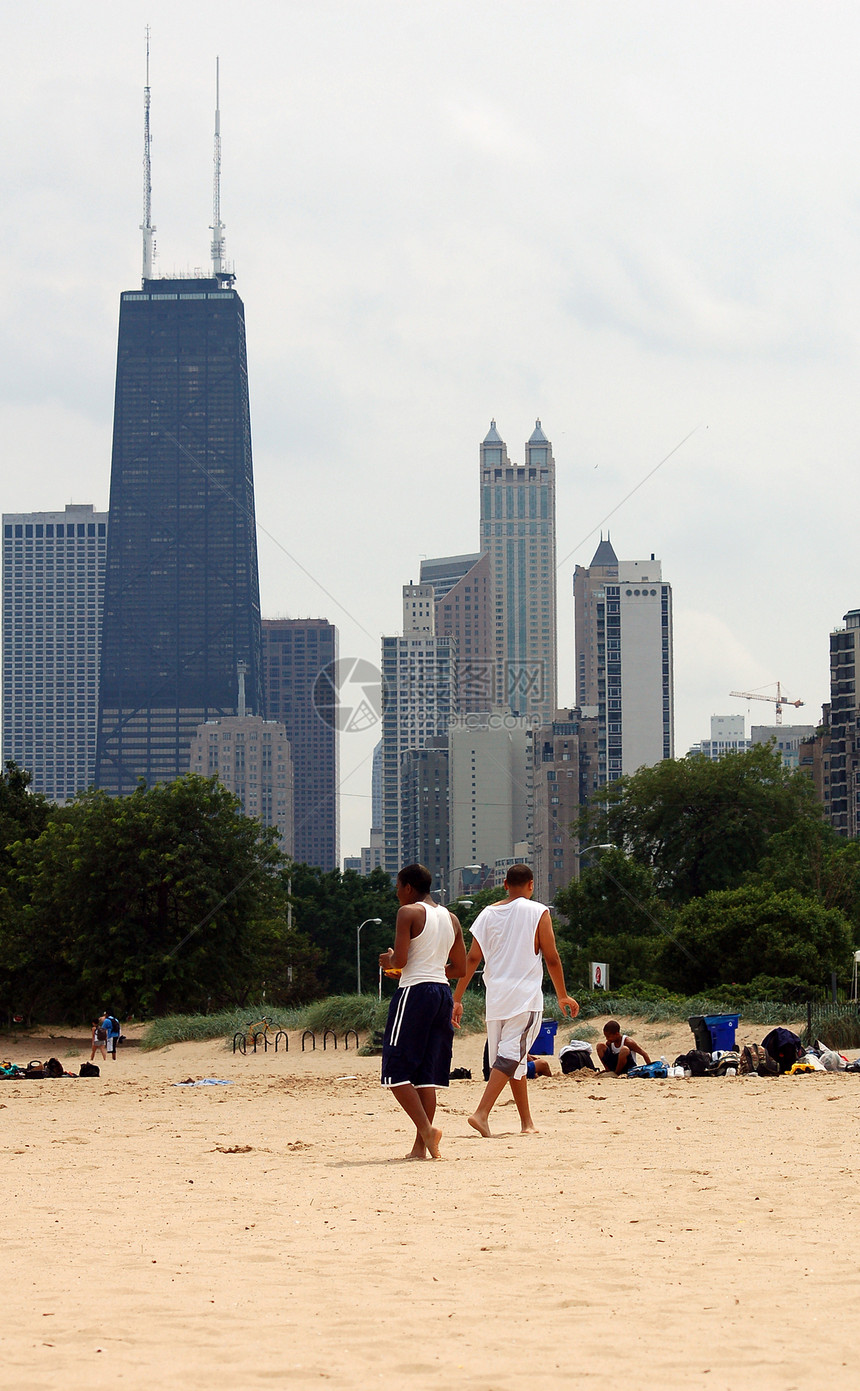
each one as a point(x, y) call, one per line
point(217, 225)
point(146, 226)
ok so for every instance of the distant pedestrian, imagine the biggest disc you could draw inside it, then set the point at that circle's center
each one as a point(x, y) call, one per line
point(99, 1040)
point(110, 1024)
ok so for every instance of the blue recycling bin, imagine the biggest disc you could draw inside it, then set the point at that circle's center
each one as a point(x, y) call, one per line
point(722, 1028)
point(545, 1041)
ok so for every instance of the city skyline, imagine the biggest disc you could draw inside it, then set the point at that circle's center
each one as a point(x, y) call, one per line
point(648, 299)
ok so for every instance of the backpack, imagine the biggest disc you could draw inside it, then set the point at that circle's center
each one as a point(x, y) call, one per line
point(756, 1059)
point(89, 1070)
point(101, 1035)
point(658, 1069)
point(721, 1065)
point(54, 1068)
point(572, 1059)
point(112, 1024)
point(696, 1062)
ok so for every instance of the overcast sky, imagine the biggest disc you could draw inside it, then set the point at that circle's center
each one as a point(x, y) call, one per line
point(633, 220)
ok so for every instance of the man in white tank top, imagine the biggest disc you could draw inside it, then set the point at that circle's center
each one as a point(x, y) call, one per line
point(416, 1048)
point(514, 938)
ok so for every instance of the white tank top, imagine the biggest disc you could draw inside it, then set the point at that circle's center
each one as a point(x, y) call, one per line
point(429, 951)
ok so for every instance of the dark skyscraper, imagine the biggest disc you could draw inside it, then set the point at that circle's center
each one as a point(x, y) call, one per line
point(182, 602)
point(296, 652)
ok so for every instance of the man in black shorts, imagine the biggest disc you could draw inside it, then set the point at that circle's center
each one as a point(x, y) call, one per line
point(416, 1049)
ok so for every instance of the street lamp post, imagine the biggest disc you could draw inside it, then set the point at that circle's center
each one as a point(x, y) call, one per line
point(358, 950)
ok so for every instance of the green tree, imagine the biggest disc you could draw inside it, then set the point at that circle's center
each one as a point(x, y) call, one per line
point(142, 904)
point(736, 935)
point(701, 825)
point(611, 913)
point(811, 858)
point(328, 907)
point(23, 814)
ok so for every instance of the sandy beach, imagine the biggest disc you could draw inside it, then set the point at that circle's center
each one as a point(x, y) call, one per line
point(674, 1234)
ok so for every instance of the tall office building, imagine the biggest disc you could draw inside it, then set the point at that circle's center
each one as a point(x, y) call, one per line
point(490, 779)
point(561, 754)
point(53, 584)
point(518, 532)
point(182, 602)
point(424, 808)
point(419, 674)
point(251, 756)
point(624, 658)
point(844, 727)
point(463, 608)
point(297, 654)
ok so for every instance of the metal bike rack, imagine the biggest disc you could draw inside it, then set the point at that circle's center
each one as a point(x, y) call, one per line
point(282, 1034)
point(309, 1033)
point(354, 1033)
point(330, 1033)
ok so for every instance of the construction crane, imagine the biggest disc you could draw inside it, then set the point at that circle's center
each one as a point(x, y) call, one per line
point(779, 700)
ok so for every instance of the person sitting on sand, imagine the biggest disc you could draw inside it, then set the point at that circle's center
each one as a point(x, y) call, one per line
point(537, 1067)
point(416, 1047)
point(618, 1053)
point(514, 938)
point(99, 1041)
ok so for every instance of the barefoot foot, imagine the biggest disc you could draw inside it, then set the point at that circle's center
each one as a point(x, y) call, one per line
point(433, 1143)
point(480, 1124)
point(530, 1129)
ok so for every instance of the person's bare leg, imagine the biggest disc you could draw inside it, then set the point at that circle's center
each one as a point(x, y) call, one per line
point(410, 1099)
point(480, 1120)
point(520, 1090)
point(427, 1096)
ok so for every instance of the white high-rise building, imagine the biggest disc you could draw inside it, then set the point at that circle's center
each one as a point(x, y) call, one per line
point(53, 590)
point(624, 660)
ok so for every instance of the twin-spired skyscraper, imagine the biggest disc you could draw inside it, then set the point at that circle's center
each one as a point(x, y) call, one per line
point(518, 534)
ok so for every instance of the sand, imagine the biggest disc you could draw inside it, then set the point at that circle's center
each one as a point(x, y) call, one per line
point(675, 1234)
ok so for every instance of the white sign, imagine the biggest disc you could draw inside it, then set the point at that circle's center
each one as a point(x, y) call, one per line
point(599, 975)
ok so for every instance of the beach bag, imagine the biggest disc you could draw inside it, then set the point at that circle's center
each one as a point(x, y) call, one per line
point(89, 1070)
point(575, 1056)
point(756, 1059)
point(658, 1069)
point(54, 1068)
point(34, 1069)
point(696, 1062)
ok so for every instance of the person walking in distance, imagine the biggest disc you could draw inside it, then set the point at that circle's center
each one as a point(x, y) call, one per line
point(416, 1048)
point(514, 938)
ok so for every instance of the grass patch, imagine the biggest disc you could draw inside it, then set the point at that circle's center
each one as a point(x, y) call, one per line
point(837, 1031)
point(364, 1013)
point(367, 1014)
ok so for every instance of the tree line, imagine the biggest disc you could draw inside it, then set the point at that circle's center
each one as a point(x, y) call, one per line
point(720, 874)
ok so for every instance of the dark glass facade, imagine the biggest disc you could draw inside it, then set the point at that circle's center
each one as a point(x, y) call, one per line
point(182, 598)
point(295, 653)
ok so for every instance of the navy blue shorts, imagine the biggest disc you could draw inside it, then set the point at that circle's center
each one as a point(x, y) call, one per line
point(418, 1037)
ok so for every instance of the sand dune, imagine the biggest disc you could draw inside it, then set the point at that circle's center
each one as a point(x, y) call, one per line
point(676, 1234)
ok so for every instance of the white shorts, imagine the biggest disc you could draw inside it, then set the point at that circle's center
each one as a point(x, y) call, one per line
point(509, 1041)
